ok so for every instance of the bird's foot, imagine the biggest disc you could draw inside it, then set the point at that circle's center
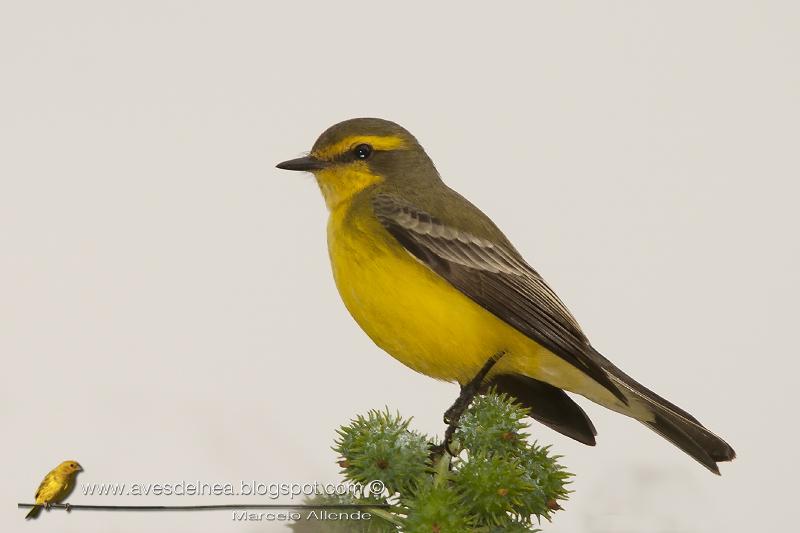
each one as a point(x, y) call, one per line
point(48, 506)
point(436, 451)
point(68, 507)
point(468, 392)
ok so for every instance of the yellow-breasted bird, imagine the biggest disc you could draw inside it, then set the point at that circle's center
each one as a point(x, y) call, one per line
point(55, 486)
point(437, 285)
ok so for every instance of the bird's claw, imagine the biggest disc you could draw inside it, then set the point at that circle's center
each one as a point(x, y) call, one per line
point(448, 449)
point(68, 507)
point(438, 450)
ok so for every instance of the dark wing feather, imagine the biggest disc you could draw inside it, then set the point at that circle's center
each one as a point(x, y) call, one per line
point(497, 279)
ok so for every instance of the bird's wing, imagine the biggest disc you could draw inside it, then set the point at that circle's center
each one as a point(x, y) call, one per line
point(44, 485)
point(496, 278)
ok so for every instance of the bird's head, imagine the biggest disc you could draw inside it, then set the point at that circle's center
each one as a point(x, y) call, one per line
point(353, 155)
point(69, 467)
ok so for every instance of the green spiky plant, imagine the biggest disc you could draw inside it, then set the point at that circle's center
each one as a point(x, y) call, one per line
point(496, 481)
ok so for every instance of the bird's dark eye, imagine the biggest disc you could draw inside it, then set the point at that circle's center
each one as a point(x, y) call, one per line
point(362, 151)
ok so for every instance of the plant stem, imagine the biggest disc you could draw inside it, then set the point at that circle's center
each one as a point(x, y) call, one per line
point(386, 515)
point(441, 469)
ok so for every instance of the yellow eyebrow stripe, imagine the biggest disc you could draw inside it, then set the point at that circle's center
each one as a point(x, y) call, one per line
point(387, 142)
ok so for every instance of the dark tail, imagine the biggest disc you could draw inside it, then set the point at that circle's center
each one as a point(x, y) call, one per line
point(673, 423)
point(554, 408)
point(34, 512)
point(691, 437)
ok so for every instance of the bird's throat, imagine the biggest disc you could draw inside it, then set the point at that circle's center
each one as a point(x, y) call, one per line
point(342, 184)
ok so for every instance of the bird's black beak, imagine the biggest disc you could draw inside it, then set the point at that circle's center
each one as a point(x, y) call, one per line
point(305, 164)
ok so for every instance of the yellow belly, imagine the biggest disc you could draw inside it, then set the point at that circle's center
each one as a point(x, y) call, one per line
point(423, 321)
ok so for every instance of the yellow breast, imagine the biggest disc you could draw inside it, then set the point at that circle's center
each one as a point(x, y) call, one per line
point(412, 313)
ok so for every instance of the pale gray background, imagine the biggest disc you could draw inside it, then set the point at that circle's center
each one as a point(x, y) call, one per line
point(168, 310)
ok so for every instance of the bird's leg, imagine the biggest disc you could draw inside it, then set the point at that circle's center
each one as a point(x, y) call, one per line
point(468, 392)
point(47, 506)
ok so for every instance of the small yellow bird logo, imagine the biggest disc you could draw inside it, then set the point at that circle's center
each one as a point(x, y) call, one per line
point(55, 486)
